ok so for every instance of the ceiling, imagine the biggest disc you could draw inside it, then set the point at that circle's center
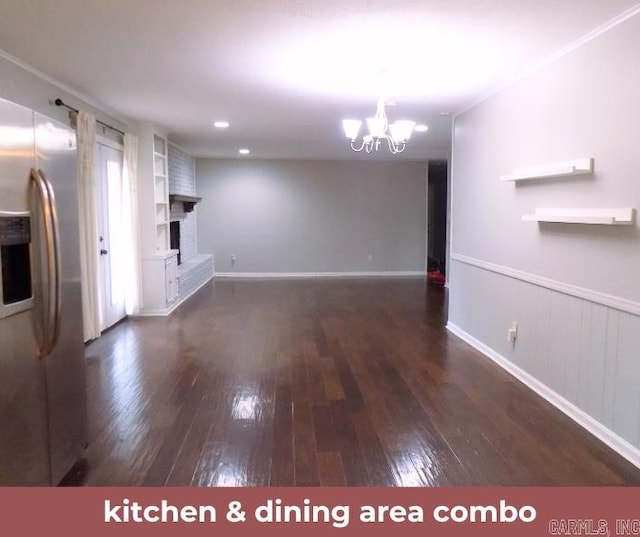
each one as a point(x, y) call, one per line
point(285, 73)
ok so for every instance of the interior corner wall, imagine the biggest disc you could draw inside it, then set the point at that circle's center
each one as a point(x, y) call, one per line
point(573, 289)
point(294, 217)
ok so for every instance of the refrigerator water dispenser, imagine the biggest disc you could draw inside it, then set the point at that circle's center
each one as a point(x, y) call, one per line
point(15, 261)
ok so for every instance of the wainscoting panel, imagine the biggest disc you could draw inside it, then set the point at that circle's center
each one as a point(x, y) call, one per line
point(582, 354)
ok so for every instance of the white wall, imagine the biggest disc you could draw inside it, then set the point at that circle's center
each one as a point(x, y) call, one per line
point(22, 86)
point(312, 216)
point(573, 289)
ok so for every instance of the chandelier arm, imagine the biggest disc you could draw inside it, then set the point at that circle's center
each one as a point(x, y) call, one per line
point(358, 149)
point(397, 147)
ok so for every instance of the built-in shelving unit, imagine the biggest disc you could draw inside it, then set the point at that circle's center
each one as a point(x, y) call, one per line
point(611, 217)
point(547, 171)
point(159, 263)
point(161, 192)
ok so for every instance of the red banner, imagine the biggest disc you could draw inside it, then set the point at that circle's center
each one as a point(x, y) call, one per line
point(321, 511)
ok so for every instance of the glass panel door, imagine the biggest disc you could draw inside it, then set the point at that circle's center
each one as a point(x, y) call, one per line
point(111, 240)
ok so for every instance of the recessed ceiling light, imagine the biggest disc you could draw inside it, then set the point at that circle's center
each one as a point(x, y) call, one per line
point(445, 113)
point(244, 151)
point(221, 124)
point(421, 128)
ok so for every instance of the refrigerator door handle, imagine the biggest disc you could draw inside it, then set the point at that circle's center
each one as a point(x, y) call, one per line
point(56, 292)
point(52, 248)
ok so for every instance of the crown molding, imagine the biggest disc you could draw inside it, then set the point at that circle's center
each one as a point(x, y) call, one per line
point(554, 57)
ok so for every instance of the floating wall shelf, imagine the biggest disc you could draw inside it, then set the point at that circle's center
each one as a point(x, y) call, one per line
point(611, 217)
point(557, 169)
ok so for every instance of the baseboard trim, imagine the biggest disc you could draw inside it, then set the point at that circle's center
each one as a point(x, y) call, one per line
point(174, 307)
point(155, 313)
point(611, 301)
point(293, 275)
point(606, 435)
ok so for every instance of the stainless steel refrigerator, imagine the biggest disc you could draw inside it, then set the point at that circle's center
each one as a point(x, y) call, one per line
point(43, 411)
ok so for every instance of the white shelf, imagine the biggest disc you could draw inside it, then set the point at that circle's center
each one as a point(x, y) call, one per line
point(159, 145)
point(611, 217)
point(557, 169)
point(161, 192)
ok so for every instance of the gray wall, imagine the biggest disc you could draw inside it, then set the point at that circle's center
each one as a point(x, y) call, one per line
point(312, 216)
point(573, 289)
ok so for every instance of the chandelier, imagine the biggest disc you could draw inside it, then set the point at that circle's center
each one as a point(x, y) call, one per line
point(396, 135)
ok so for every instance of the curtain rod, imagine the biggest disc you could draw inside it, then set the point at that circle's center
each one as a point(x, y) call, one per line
point(60, 102)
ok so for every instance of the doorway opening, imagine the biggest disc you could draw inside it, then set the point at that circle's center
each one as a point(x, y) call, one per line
point(437, 204)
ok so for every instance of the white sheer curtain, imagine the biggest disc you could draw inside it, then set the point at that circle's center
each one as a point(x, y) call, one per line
point(132, 268)
point(89, 249)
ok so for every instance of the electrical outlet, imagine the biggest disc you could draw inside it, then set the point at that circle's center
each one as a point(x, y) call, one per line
point(370, 257)
point(233, 260)
point(512, 333)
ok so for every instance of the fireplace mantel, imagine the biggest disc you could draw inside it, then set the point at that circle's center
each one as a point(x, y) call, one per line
point(187, 201)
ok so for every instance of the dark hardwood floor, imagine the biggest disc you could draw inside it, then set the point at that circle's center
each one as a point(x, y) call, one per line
point(316, 383)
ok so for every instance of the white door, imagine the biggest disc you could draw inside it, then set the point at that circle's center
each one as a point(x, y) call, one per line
point(109, 162)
